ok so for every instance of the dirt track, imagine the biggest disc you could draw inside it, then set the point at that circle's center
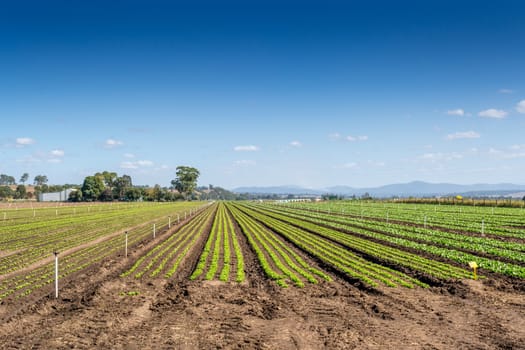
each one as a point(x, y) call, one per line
point(98, 309)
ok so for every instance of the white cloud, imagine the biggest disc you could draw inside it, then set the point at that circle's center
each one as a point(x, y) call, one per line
point(356, 138)
point(335, 136)
point(349, 165)
point(24, 141)
point(458, 111)
point(296, 144)
point(493, 113)
point(129, 155)
point(136, 165)
point(376, 163)
point(520, 107)
point(57, 153)
point(111, 143)
point(246, 148)
point(515, 151)
point(506, 91)
point(245, 162)
point(463, 135)
point(438, 156)
point(145, 162)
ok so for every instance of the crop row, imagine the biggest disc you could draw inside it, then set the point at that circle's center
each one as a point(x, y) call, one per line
point(332, 253)
point(166, 257)
point(376, 251)
point(217, 255)
point(277, 259)
point(453, 246)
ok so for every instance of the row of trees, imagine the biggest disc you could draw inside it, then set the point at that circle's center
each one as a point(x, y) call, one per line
point(107, 186)
point(7, 180)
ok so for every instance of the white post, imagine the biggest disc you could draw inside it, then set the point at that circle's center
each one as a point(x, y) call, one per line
point(483, 226)
point(126, 245)
point(56, 275)
point(153, 230)
point(169, 222)
point(387, 216)
point(178, 218)
point(184, 215)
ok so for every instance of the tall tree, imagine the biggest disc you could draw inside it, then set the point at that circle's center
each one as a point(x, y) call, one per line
point(92, 188)
point(109, 178)
point(24, 178)
point(7, 180)
point(186, 180)
point(40, 180)
point(20, 192)
point(121, 185)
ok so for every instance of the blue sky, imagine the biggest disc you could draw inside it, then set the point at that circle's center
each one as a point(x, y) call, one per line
point(307, 93)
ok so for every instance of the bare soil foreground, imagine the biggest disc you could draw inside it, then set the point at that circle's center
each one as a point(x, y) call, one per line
point(97, 309)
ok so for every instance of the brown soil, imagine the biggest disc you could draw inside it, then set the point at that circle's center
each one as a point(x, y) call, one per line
point(99, 310)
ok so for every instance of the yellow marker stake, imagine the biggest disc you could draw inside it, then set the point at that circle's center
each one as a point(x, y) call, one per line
point(474, 267)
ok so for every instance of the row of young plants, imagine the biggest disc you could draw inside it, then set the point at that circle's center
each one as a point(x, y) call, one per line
point(25, 244)
point(277, 259)
point(491, 246)
point(165, 258)
point(461, 249)
point(26, 280)
point(503, 222)
point(372, 250)
point(222, 252)
point(25, 283)
point(326, 250)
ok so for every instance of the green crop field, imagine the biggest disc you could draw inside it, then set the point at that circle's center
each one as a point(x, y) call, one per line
point(293, 244)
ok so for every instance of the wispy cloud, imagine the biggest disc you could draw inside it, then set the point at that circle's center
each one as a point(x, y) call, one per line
point(296, 144)
point(245, 162)
point(24, 141)
point(520, 107)
point(376, 163)
point(335, 136)
point(458, 111)
point(506, 91)
point(493, 113)
point(350, 165)
point(112, 143)
point(57, 153)
point(129, 155)
point(513, 152)
point(246, 148)
point(463, 135)
point(356, 138)
point(439, 156)
point(136, 165)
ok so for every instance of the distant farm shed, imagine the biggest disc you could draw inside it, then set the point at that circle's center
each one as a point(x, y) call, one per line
point(61, 196)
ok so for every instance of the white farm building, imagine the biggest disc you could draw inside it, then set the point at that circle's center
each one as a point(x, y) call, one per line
point(61, 196)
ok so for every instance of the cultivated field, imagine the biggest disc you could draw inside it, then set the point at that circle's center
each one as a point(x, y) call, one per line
point(329, 275)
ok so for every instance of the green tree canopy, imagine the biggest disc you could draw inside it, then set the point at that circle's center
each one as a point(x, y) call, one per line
point(40, 180)
point(20, 192)
point(7, 180)
point(92, 188)
point(186, 180)
point(24, 178)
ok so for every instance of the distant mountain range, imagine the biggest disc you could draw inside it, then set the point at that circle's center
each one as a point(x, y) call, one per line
point(415, 188)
